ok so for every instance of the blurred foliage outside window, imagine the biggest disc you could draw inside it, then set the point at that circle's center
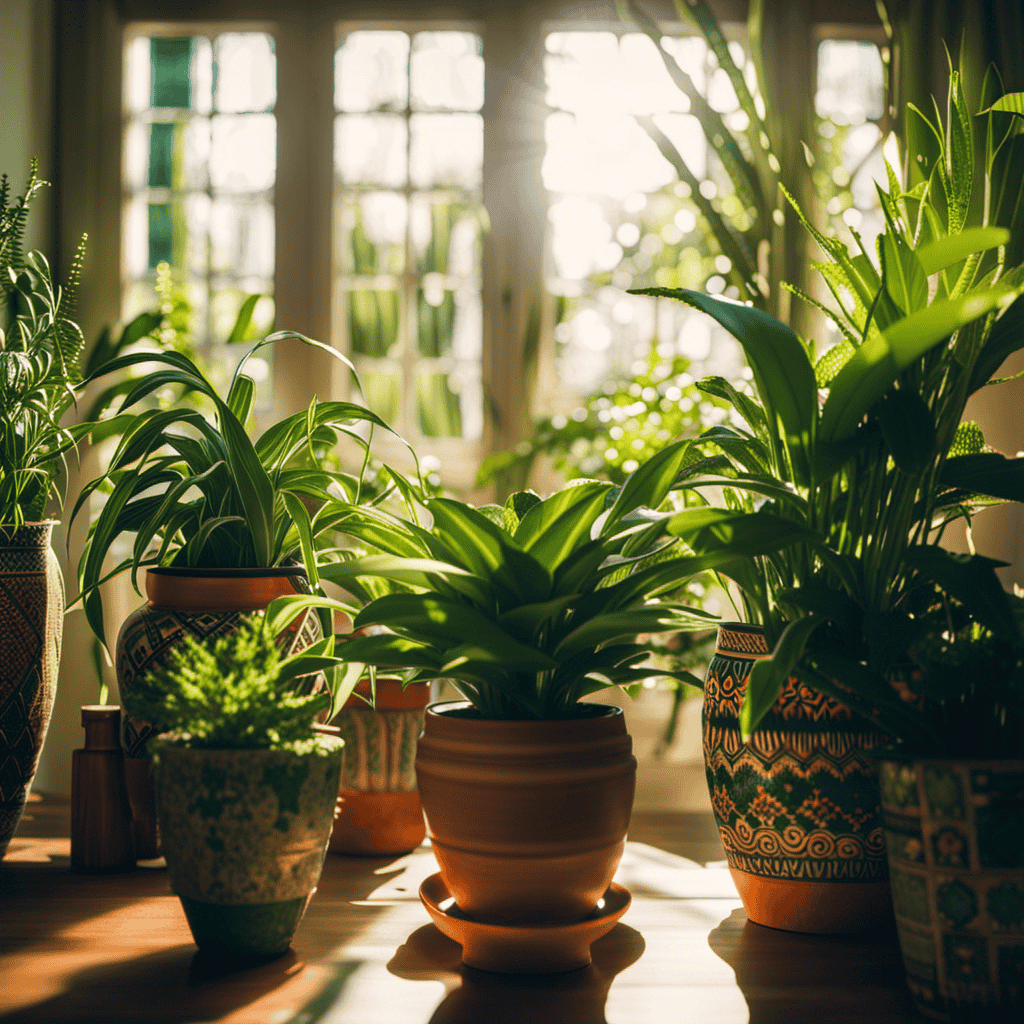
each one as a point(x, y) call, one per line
point(408, 158)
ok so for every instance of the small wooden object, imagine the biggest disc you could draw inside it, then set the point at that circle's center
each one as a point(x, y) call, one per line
point(101, 818)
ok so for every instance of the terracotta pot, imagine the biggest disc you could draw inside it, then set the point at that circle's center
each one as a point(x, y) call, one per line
point(31, 625)
point(527, 819)
point(379, 806)
point(796, 806)
point(954, 835)
point(196, 602)
point(245, 835)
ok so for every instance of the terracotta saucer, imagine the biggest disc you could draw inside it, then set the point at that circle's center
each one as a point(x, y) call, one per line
point(522, 949)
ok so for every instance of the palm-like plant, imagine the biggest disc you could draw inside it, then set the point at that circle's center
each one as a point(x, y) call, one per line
point(530, 606)
point(40, 349)
point(197, 492)
point(868, 479)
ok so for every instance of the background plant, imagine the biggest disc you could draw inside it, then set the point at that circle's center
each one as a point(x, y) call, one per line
point(230, 691)
point(40, 348)
point(875, 473)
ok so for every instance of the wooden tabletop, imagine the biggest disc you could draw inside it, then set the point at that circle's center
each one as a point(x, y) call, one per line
point(116, 949)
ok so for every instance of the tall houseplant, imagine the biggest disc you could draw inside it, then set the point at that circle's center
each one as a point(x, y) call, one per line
point(869, 478)
point(527, 608)
point(40, 348)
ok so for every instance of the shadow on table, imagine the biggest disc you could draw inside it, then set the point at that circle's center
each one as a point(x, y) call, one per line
point(795, 977)
point(173, 985)
point(475, 997)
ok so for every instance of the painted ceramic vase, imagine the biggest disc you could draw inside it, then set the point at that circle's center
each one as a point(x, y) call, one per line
point(796, 806)
point(954, 835)
point(200, 603)
point(245, 834)
point(379, 805)
point(31, 624)
point(527, 819)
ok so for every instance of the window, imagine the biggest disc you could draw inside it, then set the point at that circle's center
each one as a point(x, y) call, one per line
point(200, 154)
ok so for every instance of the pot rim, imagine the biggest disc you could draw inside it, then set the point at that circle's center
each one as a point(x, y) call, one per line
point(737, 624)
point(610, 711)
point(189, 572)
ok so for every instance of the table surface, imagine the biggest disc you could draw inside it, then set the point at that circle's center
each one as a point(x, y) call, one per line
point(114, 949)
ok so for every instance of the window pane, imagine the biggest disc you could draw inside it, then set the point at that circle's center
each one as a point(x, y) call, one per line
point(447, 71)
point(242, 237)
point(371, 233)
point(382, 392)
point(370, 72)
point(243, 156)
point(245, 72)
point(181, 73)
point(445, 235)
point(447, 404)
point(370, 149)
point(373, 322)
point(447, 149)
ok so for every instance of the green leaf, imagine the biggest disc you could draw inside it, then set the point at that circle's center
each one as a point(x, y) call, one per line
point(829, 365)
point(648, 485)
point(603, 629)
point(944, 252)
point(905, 279)
point(742, 534)
point(300, 518)
point(909, 429)
point(241, 397)
point(874, 367)
point(551, 529)
point(767, 676)
point(960, 154)
point(986, 473)
point(1005, 338)
point(1011, 103)
point(244, 319)
point(415, 572)
point(746, 406)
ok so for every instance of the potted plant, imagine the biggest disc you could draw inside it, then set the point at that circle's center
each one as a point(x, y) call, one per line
point(527, 608)
point(862, 480)
point(953, 795)
point(246, 790)
point(40, 348)
point(221, 524)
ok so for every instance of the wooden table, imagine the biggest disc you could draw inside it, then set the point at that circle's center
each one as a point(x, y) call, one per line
point(116, 949)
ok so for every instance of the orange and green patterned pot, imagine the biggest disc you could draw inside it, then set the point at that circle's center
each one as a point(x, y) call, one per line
point(796, 806)
point(954, 834)
point(379, 804)
point(199, 603)
point(245, 834)
point(31, 623)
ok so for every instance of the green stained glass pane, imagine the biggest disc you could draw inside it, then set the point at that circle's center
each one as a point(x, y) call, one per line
point(172, 84)
point(373, 322)
point(161, 155)
point(161, 234)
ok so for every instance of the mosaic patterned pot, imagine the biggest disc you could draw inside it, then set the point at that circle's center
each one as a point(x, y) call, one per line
point(245, 834)
point(797, 806)
point(380, 811)
point(954, 835)
point(31, 623)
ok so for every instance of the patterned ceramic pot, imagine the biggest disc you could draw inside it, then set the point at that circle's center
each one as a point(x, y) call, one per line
point(31, 623)
point(954, 835)
point(196, 602)
point(797, 806)
point(380, 811)
point(245, 834)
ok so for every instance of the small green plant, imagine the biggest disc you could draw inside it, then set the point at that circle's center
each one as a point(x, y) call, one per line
point(40, 350)
point(232, 691)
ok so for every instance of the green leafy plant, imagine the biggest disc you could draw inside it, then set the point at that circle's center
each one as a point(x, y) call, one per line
point(530, 606)
point(230, 691)
point(40, 349)
point(868, 479)
point(195, 491)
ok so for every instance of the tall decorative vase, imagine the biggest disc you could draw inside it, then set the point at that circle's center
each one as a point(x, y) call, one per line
point(31, 623)
point(954, 834)
point(199, 603)
point(380, 812)
point(797, 806)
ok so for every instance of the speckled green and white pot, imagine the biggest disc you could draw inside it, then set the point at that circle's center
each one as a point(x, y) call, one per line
point(245, 833)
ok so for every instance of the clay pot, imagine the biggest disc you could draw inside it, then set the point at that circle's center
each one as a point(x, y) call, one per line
point(196, 602)
point(954, 836)
point(379, 806)
point(797, 805)
point(527, 819)
point(245, 835)
point(31, 625)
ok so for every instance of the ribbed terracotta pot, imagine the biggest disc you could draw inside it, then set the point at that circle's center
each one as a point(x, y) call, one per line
point(245, 834)
point(379, 805)
point(797, 806)
point(31, 625)
point(954, 835)
point(527, 819)
point(200, 603)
